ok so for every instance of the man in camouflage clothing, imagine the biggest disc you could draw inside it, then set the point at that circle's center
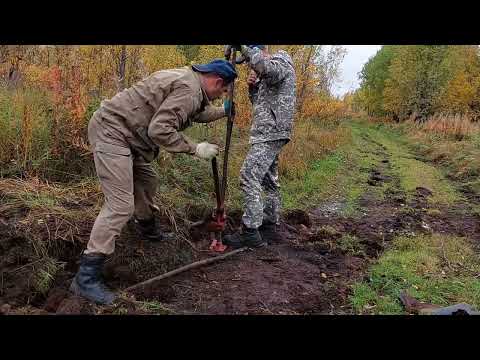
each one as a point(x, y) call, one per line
point(125, 135)
point(272, 93)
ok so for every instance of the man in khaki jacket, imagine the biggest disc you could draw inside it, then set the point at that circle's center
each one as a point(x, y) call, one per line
point(125, 135)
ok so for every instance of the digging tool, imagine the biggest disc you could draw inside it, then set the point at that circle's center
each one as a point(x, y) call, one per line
point(215, 225)
point(220, 189)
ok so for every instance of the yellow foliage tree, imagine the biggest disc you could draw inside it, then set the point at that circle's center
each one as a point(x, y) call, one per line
point(459, 94)
point(162, 57)
point(207, 53)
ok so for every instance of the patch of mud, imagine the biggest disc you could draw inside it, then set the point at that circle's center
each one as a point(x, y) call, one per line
point(377, 178)
point(288, 282)
point(298, 217)
point(304, 273)
point(74, 305)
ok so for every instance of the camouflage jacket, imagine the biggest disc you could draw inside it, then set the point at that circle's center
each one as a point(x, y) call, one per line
point(273, 96)
point(153, 112)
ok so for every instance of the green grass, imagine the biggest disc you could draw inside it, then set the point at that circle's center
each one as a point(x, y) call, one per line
point(39, 200)
point(460, 159)
point(154, 307)
point(350, 244)
point(413, 173)
point(340, 175)
point(185, 181)
point(44, 274)
point(363, 157)
point(302, 194)
point(438, 269)
point(435, 269)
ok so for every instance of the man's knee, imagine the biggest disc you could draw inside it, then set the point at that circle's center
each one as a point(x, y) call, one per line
point(146, 181)
point(249, 173)
point(122, 209)
point(250, 185)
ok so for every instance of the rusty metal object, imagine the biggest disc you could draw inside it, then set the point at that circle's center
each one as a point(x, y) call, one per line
point(414, 306)
point(215, 224)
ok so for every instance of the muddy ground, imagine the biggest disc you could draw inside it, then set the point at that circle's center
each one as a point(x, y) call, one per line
point(308, 270)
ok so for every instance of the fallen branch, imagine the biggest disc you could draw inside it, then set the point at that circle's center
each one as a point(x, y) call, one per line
point(185, 268)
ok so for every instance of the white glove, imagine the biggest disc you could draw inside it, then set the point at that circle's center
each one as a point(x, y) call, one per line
point(206, 151)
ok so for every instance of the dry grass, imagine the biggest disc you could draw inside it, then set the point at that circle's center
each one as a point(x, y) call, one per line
point(450, 140)
point(47, 219)
point(52, 212)
point(311, 141)
point(452, 126)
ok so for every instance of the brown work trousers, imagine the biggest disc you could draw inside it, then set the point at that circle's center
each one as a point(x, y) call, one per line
point(127, 181)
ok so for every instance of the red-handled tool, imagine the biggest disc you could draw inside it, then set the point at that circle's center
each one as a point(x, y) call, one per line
point(218, 224)
point(215, 223)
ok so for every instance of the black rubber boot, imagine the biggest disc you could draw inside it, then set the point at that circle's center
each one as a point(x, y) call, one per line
point(149, 230)
point(269, 232)
point(244, 237)
point(87, 282)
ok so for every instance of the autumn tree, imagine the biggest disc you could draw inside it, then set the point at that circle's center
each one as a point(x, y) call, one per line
point(421, 80)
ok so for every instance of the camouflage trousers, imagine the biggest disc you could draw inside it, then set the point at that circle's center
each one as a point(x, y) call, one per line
point(259, 174)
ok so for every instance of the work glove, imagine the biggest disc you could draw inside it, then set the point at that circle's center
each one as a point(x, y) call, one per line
point(206, 151)
point(227, 104)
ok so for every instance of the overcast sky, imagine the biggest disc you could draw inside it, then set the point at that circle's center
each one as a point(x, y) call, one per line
point(357, 56)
